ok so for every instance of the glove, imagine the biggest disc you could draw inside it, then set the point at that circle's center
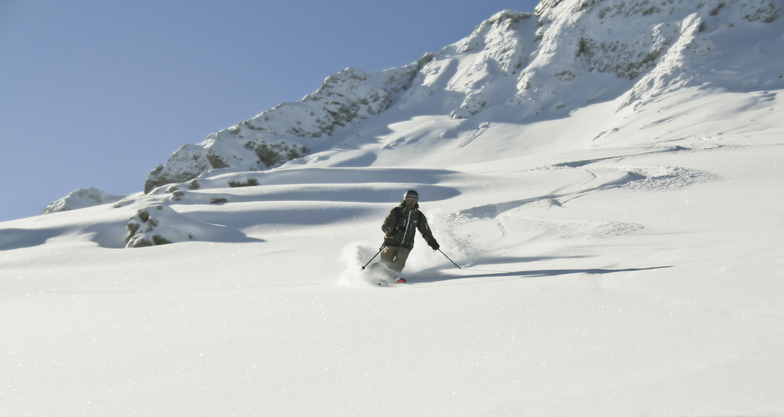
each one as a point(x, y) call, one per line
point(433, 244)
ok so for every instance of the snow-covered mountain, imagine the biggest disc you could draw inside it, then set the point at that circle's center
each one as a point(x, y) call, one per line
point(82, 198)
point(287, 131)
point(607, 174)
point(532, 66)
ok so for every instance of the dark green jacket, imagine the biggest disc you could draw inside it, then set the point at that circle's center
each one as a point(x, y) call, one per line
point(399, 227)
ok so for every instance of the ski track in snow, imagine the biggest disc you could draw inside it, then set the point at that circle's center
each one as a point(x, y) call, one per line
point(473, 134)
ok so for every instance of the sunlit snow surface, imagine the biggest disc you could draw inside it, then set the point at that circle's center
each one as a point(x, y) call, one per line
point(614, 263)
point(641, 275)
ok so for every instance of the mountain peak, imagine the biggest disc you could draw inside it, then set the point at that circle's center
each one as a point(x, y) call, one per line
point(503, 20)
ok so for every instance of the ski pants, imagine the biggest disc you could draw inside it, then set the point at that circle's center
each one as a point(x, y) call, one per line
point(394, 257)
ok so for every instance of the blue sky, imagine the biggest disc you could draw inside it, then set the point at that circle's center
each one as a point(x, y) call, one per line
point(97, 93)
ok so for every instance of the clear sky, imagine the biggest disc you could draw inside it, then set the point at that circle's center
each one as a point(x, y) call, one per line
point(97, 93)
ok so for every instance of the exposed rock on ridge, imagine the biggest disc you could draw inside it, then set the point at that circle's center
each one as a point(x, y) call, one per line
point(656, 45)
point(281, 134)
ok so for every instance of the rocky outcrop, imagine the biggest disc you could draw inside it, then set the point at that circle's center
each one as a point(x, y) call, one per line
point(142, 230)
point(651, 47)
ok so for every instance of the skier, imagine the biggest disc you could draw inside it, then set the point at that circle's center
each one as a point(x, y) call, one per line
point(399, 230)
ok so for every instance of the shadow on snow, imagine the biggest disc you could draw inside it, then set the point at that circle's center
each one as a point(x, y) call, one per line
point(434, 275)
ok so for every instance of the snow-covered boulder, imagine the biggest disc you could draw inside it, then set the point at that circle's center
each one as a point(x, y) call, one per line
point(141, 230)
point(160, 225)
point(83, 198)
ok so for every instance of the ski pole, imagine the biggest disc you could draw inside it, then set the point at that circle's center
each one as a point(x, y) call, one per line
point(374, 257)
point(442, 252)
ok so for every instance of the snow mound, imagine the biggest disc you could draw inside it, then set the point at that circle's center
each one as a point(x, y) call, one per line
point(161, 225)
point(662, 178)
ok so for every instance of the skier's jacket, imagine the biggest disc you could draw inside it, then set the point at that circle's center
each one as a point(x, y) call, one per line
point(399, 227)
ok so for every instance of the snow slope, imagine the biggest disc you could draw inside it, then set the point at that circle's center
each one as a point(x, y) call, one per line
point(617, 260)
